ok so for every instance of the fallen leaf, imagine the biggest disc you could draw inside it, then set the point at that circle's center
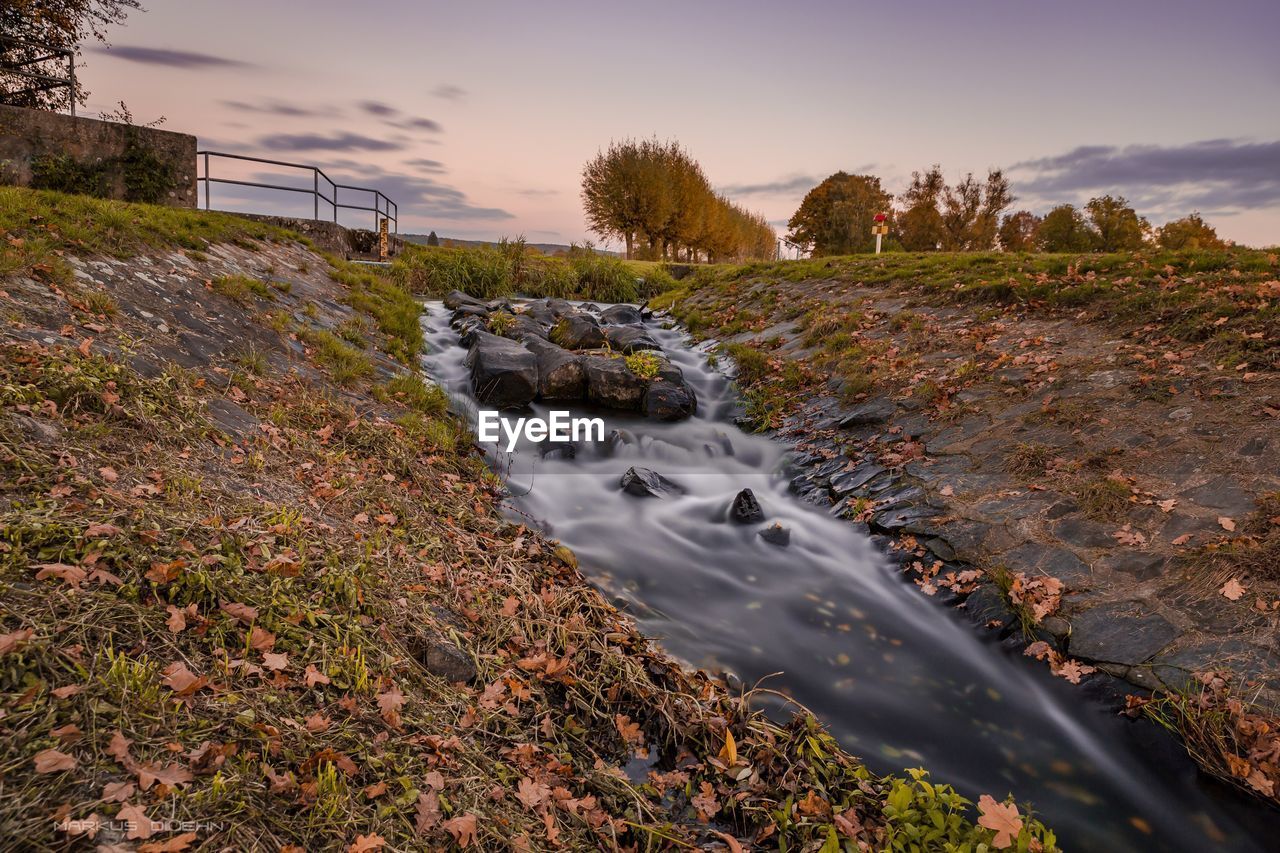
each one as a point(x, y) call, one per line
point(389, 703)
point(1232, 590)
point(532, 793)
point(171, 775)
point(275, 661)
point(1183, 539)
point(15, 640)
point(181, 680)
point(314, 676)
point(243, 612)
point(117, 792)
point(67, 691)
point(377, 789)
point(101, 531)
point(119, 748)
point(365, 843)
point(108, 473)
point(1227, 524)
point(53, 761)
point(316, 723)
point(999, 817)
point(427, 814)
point(137, 820)
point(462, 828)
point(177, 622)
point(71, 575)
point(176, 844)
point(261, 639)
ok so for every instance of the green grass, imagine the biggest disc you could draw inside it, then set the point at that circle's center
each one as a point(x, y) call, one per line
point(395, 311)
point(346, 364)
point(644, 364)
point(242, 288)
point(410, 390)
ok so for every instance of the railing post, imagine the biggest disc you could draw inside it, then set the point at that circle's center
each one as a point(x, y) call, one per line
point(71, 69)
point(206, 180)
point(315, 197)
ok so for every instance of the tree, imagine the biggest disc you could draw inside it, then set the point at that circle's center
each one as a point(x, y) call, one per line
point(1189, 232)
point(836, 216)
point(432, 239)
point(1064, 229)
point(1018, 232)
point(59, 24)
point(919, 226)
point(1117, 225)
point(657, 193)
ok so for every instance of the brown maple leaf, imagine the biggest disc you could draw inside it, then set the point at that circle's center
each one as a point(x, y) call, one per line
point(462, 828)
point(531, 793)
point(1001, 817)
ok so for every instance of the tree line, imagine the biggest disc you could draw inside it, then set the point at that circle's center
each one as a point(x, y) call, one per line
point(655, 198)
point(971, 215)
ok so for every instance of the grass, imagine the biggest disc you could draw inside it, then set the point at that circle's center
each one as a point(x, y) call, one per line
point(644, 364)
point(393, 309)
point(1029, 461)
point(1104, 498)
point(411, 390)
point(242, 288)
point(512, 267)
point(346, 364)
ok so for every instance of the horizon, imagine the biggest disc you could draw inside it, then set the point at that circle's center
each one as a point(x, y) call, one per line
point(770, 105)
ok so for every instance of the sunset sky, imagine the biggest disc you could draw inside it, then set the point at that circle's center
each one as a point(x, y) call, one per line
point(477, 117)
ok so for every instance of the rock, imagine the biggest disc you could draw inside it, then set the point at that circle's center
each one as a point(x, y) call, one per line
point(578, 331)
point(38, 430)
point(645, 483)
point(1034, 558)
point(522, 327)
point(503, 373)
point(560, 373)
point(897, 519)
point(455, 299)
point(776, 534)
point(1120, 633)
point(465, 311)
point(1142, 565)
point(1223, 493)
point(629, 339)
point(1082, 533)
point(443, 659)
point(560, 307)
point(621, 315)
point(610, 383)
point(746, 509)
point(540, 311)
point(669, 401)
point(231, 418)
point(875, 412)
point(847, 481)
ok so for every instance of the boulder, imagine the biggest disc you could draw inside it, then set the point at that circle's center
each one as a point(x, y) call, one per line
point(610, 383)
point(629, 339)
point(560, 373)
point(746, 509)
point(468, 328)
point(522, 327)
point(503, 373)
point(621, 315)
point(560, 307)
point(455, 299)
point(578, 331)
point(465, 311)
point(540, 311)
point(776, 534)
point(669, 401)
point(644, 483)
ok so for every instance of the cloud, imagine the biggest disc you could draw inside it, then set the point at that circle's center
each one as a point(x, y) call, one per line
point(414, 123)
point(1214, 176)
point(377, 108)
point(450, 92)
point(344, 141)
point(782, 186)
point(536, 193)
point(186, 59)
point(422, 164)
point(277, 108)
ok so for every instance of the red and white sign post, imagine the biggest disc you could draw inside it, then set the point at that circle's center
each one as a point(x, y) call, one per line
point(880, 229)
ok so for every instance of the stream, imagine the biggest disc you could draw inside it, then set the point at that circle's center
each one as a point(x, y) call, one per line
point(900, 680)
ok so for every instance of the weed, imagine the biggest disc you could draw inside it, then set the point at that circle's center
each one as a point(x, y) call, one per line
point(644, 364)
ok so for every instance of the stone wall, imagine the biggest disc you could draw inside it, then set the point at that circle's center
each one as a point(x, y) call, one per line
point(39, 148)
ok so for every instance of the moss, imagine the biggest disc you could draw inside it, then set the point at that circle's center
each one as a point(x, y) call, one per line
point(644, 364)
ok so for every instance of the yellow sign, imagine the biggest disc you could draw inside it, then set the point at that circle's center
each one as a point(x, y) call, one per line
point(382, 239)
point(879, 229)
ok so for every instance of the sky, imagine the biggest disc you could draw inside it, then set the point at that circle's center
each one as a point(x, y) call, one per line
point(476, 118)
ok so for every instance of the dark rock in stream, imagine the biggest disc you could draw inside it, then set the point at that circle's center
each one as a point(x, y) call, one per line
point(668, 401)
point(560, 373)
point(523, 327)
point(629, 339)
point(455, 299)
point(611, 384)
point(578, 331)
point(746, 509)
point(1120, 632)
point(621, 315)
point(503, 373)
point(776, 534)
point(644, 483)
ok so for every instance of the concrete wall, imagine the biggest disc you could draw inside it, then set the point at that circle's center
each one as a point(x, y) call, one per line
point(26, 135)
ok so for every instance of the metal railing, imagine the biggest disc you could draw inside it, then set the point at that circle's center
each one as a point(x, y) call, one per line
point(383, 207)
point(39, 54)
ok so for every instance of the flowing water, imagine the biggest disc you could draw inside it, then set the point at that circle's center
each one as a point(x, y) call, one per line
point(899, 679)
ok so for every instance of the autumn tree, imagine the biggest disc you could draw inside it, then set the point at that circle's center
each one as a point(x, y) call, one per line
point(61, 24)
point(1189, 232)
point(1064, 229)
point(918, 225)
point(1117, 226)
point(836, 216)
point(655, 197)
point(1018, 232)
